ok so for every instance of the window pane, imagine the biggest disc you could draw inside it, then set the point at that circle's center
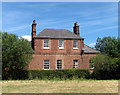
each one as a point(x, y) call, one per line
point(59, 64)
point(46, 64)
point(61, 43)
point(75, 44)
point(46, 43)
point(75, 64)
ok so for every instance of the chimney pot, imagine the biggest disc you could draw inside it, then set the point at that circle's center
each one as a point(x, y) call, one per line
point(34, 21)
point(76, 24)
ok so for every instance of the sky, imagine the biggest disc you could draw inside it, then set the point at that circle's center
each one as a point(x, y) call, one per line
point(95, 19)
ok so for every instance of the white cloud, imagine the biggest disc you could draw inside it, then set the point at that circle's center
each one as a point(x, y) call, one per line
point(92, 44)
point(27, 37)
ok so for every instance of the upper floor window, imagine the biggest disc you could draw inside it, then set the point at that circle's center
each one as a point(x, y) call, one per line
point(46, 44)
point(46, 64)
point(75, 44)
point(61, 44)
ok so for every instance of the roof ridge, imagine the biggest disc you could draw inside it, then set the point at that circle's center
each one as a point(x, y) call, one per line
point(55, 29)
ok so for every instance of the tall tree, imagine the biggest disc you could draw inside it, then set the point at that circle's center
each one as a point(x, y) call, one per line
point(16, 54)
point(109, 46)
point(107, 64)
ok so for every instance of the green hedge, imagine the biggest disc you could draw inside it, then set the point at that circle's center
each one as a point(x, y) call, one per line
point(62, 74)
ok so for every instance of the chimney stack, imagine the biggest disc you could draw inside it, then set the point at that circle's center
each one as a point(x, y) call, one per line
point(33, 33)
point(76, 28)
point(33, 29)
point(34, 26)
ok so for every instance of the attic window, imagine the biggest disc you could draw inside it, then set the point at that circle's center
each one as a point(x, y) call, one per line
point(46, 44)
point(61, 44)
point(75, 44)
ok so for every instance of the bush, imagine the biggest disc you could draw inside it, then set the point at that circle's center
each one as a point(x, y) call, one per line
point(17, 75)
point(62, 74)
point(105, 67)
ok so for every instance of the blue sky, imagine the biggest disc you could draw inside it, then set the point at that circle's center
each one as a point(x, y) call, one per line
point(95, 19)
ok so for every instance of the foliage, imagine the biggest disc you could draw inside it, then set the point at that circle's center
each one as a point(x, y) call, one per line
point(101, 60)
point(62, 74)
point(0, 55)
point(105, 68)
point(109, 46)
point(107, 64)
point(16, 54)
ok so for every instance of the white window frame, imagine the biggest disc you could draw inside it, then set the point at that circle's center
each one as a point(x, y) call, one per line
point(45, 43)
point(59, 65)
point(76, 65)
point(46, 64)
point(75, 42)
point(61, 44)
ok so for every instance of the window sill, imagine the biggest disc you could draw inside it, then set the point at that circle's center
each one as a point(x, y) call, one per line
point(46, 48)
point(61, 48)
point(46, 69)
point(75, 48)
point(92, 68)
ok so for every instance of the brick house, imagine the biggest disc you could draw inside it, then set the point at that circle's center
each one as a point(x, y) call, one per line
point(60, 49)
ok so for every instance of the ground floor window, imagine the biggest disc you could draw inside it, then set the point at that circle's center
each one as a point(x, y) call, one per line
point(59, 64)
point(46, 64)
point(91, 65)
point(75, 63)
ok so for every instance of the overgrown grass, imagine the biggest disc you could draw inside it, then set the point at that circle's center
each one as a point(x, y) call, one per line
point(57, 86)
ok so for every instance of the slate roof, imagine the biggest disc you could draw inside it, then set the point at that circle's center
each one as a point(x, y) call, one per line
point(88, 49)
point(65, 34)
point(57, 33)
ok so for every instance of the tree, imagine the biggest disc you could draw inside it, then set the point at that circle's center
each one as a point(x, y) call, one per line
point(100, 60)
point(109, 46)
point(107, 64)
point(16, 54)
point(0, 55)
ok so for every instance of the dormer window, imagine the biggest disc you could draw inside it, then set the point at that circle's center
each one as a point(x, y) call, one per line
point(75, 44)
point(46, 44)
point(61, 44)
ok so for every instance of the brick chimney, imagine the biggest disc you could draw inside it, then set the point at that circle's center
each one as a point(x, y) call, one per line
point(33, 29)
point(76, 28)
point(33, 33)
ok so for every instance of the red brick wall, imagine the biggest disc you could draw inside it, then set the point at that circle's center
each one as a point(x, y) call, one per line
point(54, 47)
point(67, 61)
point(86, 58)
point(67, 55)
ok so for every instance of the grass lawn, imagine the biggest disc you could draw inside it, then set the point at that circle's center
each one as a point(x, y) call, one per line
point(52, 86)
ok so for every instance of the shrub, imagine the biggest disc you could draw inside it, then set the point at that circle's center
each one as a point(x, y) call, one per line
point(62, 74)
point(18, 75)
point(105, 67)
